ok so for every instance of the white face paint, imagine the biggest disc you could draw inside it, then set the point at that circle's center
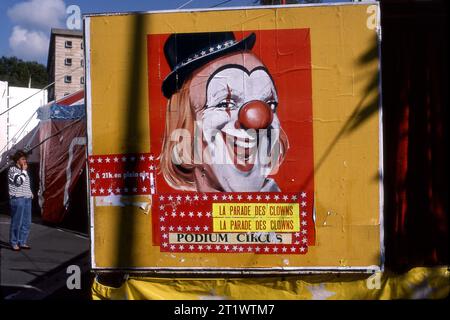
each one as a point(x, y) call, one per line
point(238, 159)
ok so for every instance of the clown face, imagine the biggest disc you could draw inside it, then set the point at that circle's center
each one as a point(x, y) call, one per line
point(235, 102)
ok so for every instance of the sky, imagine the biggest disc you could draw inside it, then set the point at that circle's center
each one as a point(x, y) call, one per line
point(25, 24)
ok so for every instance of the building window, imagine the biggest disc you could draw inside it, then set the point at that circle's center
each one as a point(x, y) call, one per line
point(82, 80)
point(68, 79)
point(82, 62)
point(68, 44)
point(68, 61)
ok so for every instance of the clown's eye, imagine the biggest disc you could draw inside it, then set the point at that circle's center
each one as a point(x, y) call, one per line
point(273, 105)
point(226, 104)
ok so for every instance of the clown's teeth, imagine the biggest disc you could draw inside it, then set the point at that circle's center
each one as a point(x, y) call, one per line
point(243, 144)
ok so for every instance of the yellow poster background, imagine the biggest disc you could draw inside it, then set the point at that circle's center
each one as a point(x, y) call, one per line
point(346, 126)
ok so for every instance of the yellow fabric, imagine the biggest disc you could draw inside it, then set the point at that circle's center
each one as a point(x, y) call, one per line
point(418, 283)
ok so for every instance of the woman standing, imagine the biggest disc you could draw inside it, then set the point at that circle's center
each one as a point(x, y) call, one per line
point(20, 196)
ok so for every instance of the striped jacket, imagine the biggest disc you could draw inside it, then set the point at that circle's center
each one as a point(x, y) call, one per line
point(19, 183)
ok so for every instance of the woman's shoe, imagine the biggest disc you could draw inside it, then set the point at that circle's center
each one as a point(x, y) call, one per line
point(15, 248)
point(25, 246)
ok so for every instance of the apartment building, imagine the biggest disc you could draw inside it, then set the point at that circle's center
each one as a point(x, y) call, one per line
point(65, 63)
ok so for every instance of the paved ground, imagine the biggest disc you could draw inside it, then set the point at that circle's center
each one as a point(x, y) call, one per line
point(40, 273)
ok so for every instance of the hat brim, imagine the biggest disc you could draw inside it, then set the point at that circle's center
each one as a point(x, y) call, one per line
point(174, 81)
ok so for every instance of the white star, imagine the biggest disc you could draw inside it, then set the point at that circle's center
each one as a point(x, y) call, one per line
point(142, 158)
point(151, 158)
point(208, 247)
point(276, 197)
point(151, 167)
point(302, 249)
point(230, 197)
point(257, 249)
point(99, 160)
point(196, 197)
point(285, 197)
point(182, 214)
point(116, 159)
point(161, 198)
point(224, 197)
point(188, 198)
point(297, 234)
point(275, 249)
point(161, 207)
point(102, 190)
point(196, 228)
point(144, 189)
point(172, 247)
point(226, 248)
point(292, 249)
point(199, 214)
point(266, 249)
point(267, 197)
point(304, 240)
point(219, 46)
point(200, 247)
point(303, 195)
point(303, 203)
point(117, 190)
point(108, 160)
point(178, 198)
point(92, 170)
point(93, 181)
point(304, 223)
point(217, 247)
point(235, 248)
point(211, 49)
point(249, 249)
point(162, 228)
point(258, 197)
point(171, 228)
point(91, 160)
point(170, 198)
point(284, 249)
point(215, 197)
point(239, 197)
point(304, 231)
point(94, 190)
point(206, 228)
point(294, 197)
point(181, 247)
point(188, 228)
point(165, 235)
point(303, 213)
point(241, 249)
point(208, 214)
point(191, 247)
point(249, 197)
point(173, 214)
point(191, 214)
point(165, 244)
point(205, 197)
point(203, 52)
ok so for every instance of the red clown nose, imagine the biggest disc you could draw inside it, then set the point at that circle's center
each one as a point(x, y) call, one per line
point(254, 114)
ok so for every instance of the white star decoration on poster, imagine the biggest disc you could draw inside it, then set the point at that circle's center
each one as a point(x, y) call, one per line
point(181, 214)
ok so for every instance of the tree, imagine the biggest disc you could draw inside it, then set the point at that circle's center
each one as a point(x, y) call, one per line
point(18, 72)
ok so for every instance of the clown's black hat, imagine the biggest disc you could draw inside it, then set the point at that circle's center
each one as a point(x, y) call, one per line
point(186, 52)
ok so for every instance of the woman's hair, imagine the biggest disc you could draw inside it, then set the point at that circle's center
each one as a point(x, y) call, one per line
point(180, 115)
point(18, 154)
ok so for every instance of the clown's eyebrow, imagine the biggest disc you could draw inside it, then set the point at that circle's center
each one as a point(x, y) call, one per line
point(237, 66)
